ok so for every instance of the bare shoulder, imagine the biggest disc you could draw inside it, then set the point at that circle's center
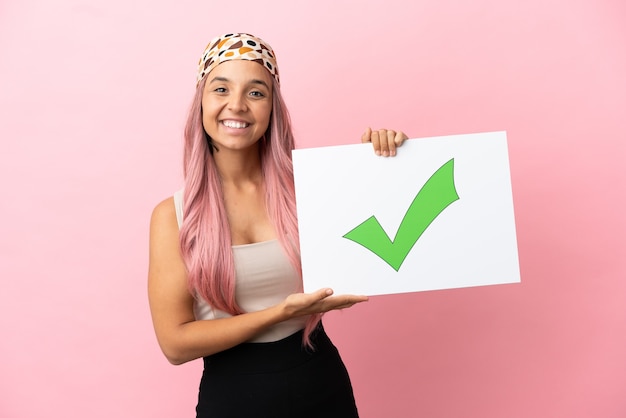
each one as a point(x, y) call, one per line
point(164, 212)
point(166, 268)
point(164, 239)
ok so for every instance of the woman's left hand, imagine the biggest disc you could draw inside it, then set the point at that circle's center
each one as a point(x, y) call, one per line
point(385, 141)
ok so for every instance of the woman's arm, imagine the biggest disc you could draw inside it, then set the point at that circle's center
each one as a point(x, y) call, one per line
point(181, 337)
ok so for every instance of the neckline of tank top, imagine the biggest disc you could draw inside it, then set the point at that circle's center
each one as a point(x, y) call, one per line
point(254, 244)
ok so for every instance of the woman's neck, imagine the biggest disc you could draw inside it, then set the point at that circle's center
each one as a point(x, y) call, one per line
point(239, 167)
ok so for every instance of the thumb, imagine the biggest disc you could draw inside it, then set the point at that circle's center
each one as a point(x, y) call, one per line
point(367, 136)
point(323, 293)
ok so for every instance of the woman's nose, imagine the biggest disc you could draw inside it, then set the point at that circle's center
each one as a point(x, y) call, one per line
point(237, 103)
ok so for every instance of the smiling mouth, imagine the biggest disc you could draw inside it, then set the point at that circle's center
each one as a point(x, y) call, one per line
point(235, 124)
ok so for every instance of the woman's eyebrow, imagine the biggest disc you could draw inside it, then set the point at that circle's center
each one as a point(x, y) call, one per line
point(223, 79)
point(263, 83)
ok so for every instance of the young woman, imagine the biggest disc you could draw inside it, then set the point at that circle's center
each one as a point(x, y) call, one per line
point(224, 276)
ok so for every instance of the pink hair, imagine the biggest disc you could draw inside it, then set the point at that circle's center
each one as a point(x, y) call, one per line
point(204, 235)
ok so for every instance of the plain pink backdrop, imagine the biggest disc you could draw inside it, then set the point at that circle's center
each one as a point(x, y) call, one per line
point(93, 95)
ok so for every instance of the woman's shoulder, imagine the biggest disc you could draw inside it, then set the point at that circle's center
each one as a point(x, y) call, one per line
point(164, 212)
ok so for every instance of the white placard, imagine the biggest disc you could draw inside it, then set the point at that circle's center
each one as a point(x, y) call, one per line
point(445, 204)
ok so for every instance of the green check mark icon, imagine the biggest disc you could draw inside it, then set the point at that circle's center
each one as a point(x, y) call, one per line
point(436, 195)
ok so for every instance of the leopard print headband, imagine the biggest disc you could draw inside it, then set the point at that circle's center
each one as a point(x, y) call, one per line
point(237, 46)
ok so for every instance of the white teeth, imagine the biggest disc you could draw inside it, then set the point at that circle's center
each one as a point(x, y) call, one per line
point(235, 124)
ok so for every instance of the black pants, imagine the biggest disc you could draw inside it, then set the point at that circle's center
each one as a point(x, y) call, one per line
point(279, 379)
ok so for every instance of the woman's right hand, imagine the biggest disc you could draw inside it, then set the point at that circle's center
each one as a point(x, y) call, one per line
point(321, 301)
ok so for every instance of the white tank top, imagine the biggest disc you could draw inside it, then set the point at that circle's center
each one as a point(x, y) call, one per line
point(264, 277)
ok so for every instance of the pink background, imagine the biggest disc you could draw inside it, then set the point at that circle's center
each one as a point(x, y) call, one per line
point(92, 99)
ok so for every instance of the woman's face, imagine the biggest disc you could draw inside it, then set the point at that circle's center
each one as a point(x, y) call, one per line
point(237, 104)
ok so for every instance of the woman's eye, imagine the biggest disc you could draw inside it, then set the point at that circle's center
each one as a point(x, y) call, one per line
point(220, 90)
point(257, 94)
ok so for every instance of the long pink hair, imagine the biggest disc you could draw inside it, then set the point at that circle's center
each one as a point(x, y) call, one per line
point(205, 239)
